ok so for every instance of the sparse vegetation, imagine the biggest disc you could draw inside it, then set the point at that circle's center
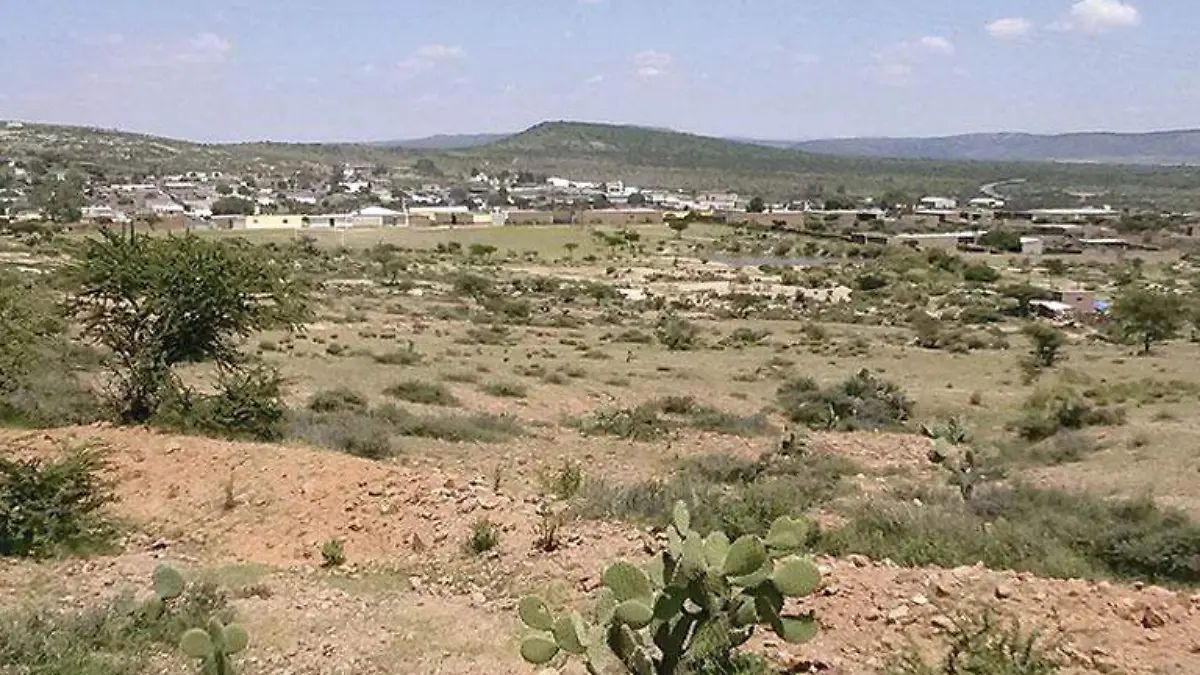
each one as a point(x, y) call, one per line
point(484, 537)
point(862, 401)
point(54, 506)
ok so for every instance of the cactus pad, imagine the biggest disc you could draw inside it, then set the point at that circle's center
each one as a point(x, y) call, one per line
point(787, 534)
point(570, 634)
point(168, 582)
point(716, 547)
point(196, 643)
point(235, 638)
point(538, 649)
point(796, 577)
point(745, 556)
point(628, 582)
point(681, 518)
point(796, 629)
point(635, 613)
point(534, 614)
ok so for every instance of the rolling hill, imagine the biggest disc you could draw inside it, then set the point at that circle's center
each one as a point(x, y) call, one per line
point(443, 142)
point(1157, 148)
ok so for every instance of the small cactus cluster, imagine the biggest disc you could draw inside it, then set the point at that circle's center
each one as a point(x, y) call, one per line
point(964, 467)
point(693, 603)
point(168, 585)
point(215, 645)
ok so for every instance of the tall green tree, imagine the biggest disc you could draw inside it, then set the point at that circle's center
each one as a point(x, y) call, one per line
point(59, 198)
point(757, 205)
point(155, 303)
point(1145, 316)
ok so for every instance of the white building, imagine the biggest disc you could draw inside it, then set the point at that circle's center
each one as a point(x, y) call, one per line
point(938, 203)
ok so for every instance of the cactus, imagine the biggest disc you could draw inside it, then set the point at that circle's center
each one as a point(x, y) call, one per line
point(692, 604)
point(214, 646)
point(964, 468)
point(168, 585)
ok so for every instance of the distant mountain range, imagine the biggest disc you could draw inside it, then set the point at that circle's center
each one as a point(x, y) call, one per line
point(1154, 148)
point(1162, 148)
point(443, 142)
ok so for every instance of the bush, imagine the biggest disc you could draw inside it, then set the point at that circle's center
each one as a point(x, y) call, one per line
point(677, 334)
point(357, 434)
point(566, 482)
point(980, 273)
point(53, 507)
point(468, 428)
point(399, 357)
point(980, 644)
point(484, 537)
point(863, 401)
point(642, 423)
point(1047, 532)
point(1047, 342)
point(505, 389)
point(428, 393)
point(248, 405)
point(1054, 408)
point(333, 553)
point(338, 400)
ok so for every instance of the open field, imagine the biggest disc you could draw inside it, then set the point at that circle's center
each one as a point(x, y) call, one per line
point(589, 378)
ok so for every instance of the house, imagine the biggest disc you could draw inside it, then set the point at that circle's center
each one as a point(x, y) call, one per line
point(524, 217)
point(1032, 245)
point(274, 221)
point(427, 216)
point(164, 207)
point(938, 203)
point(377, 216)
point(1085, 213)
point(989, 203)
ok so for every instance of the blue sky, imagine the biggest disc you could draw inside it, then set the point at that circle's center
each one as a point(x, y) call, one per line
point(380, 69)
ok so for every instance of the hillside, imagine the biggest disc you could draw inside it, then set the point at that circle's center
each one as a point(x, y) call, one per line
point(1160, 148)
point(443, 141)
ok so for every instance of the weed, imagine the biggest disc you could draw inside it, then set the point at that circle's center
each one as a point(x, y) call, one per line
point(333, 553)
point(399, 357)
point(981, 643)
point(1051, 409)
point(501, 389)
point(546, 537)
point(566, 481)
point(863, 401)
point(484, 537)
point(338, 400)
point(428, 393)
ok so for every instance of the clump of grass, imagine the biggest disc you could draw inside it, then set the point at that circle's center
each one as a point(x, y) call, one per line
point(983, 643)
point(427, 393)
point(641, 423)
point(338, 400)
point(399, 357)
point(1052, 409)
point(455, 428)
point(566, 481)
point(1044, 531)
point(485, 536)
point(461, 376)
point(503, 389)
point(333, 553)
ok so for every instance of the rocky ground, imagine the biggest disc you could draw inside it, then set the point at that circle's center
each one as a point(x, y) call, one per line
point(410, 600)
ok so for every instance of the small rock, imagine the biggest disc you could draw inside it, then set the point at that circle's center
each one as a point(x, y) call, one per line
point(858, 560)
point(942, 622)
point(919, 600)
point(1003, 591)
point(1152, 619)
point(899, 614)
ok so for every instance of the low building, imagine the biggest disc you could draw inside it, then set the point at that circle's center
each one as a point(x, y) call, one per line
point(378, 216)
point(524, 217)
point(938, 203)
point(274, 221)
point(1032, 246)
point(618, 217)
point(930, 240)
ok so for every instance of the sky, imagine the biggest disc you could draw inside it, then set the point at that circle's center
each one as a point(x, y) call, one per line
point(231, 70)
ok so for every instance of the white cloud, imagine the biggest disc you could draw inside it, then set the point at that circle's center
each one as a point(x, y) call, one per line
point(1102, 16)
point(652, 64)
point(594, 80)
point(205, 48)
point(935, 45)
point(1012, 28)
point(426, 58)
point(440, 52)
point(895, 65)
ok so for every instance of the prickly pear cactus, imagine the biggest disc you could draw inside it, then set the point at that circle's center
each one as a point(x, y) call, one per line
point(215, 646)
point(694, 603)
point(168, 584)
point(963, 467)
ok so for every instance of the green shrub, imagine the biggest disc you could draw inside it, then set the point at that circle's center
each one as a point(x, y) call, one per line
point(505, 389)
point(341, 399)
point(567, 481)
point(248, 405)
point(399, 357)
point(677, 334)
point(981, 644)
point(1047, 532)
point(465, 428)
point(484, 537)
point(980, 273)
point(863, 401)
point(48, 507)
point(357, 434)
point(428, 393)
point(642, 423)
point(1054, 408)
point(333, 553)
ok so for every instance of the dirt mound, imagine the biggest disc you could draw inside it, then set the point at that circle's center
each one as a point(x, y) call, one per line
point(413, 519)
